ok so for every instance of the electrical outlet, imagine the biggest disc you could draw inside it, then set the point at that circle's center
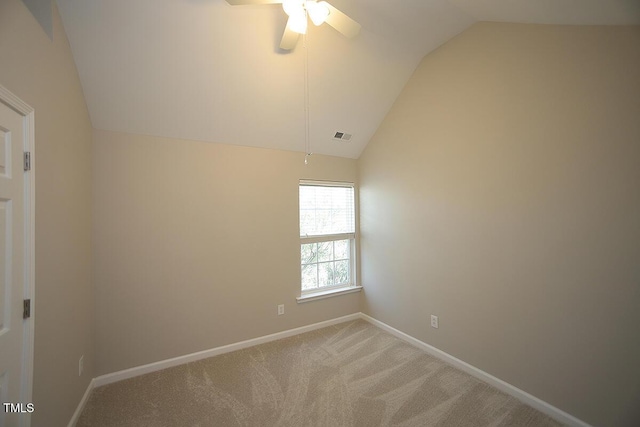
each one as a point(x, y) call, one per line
point(280, 309)
point(434, 321)
point(81, 365)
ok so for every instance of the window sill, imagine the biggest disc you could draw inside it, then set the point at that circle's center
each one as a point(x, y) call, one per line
point(327, 294)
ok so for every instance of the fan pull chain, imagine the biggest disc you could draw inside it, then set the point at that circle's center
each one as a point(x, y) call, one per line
point(307, 142)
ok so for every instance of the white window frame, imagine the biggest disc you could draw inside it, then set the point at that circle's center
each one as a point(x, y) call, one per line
point(326, 291)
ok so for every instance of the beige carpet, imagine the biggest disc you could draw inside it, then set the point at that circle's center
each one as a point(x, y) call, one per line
point(351, 374)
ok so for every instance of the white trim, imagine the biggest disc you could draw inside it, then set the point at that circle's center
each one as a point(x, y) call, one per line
point(28, 114)
point(30, 271)
point(501, 385)
point(304, 240)
point(327, 294)
point(168, 363)
point(320, 183)
point(83, 402)
point(11, 100)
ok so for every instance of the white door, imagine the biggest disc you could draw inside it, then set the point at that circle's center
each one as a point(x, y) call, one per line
point(12, 267)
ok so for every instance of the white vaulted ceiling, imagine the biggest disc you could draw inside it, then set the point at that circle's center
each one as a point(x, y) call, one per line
point(208, 71)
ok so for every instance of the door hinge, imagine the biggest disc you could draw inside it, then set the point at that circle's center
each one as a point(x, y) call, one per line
point(26, 309)
point(27, 161)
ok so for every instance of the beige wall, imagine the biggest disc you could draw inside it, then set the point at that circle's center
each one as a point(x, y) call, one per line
point(502, 193)
point(195, 245)
point(42, 73)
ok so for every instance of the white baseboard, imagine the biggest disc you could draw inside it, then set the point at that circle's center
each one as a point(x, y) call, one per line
point(503, 386)
point(83, 401)
point(168, 363)
point(523, 396)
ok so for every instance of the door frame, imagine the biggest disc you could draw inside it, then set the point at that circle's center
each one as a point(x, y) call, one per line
point(28, 120)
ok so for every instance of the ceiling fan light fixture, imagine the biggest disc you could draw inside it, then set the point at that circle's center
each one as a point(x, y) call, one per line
point(298, 22)
point(300, 11)
point(293, 7)
point(318, 12)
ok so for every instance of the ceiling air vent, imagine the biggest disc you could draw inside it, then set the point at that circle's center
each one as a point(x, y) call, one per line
point(342, 136)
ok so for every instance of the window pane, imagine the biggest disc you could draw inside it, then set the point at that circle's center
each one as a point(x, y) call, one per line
point(326, 210)
point(325, 274)
point(307, 200)
point(341, 273)
point(323, 223)
point(340, 219)
point(308, 253)
point(325, 251)
point(323, 196)
point(307, 220)
point(309, 276)
point(341, 249)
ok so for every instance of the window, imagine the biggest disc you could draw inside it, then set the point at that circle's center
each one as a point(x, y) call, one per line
point(327, 236)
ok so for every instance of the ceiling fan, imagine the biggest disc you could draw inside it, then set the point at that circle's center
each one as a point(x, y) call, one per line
point(298, 10)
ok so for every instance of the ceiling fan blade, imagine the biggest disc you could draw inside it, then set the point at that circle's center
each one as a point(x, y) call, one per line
point(341, 22)
point(289, 38)
point(242, 2)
